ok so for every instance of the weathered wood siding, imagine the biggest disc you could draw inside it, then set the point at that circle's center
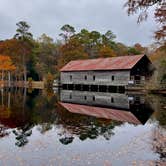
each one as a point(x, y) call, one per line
point(116, 100)
point(117, 78)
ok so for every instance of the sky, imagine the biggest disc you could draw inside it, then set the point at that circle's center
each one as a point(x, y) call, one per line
point(48, 16)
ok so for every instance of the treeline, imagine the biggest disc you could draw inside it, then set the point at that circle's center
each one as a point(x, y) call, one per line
point(41, 59)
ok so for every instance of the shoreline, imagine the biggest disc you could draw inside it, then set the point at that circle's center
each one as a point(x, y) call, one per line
point(22, 84)
point(40, 85)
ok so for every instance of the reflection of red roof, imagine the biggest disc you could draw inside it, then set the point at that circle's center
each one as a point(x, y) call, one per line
point(106, 113)
point(113, 63)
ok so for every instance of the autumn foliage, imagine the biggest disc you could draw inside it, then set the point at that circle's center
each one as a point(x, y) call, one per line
point(6, 63)
point(142, 7)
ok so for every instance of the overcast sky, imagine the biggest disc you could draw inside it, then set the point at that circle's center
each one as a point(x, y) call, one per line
point(48, 16)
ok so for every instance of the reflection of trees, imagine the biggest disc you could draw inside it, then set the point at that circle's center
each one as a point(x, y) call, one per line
point(3, 131)
point(161, 113)
point(159, 105)
point(44, 127)
point(66, 140)
point(43, 110)
point(21, 134)
point(47, 113)
point(13, 114)
point(159, 132)
point(83, 126)
point(159, 142)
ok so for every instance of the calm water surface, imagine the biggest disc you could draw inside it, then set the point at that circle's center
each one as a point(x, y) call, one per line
point(39, 128)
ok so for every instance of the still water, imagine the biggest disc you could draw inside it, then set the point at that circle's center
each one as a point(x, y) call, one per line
point(40, 128)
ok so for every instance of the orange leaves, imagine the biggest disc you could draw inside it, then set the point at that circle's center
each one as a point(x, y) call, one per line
point(6, 63)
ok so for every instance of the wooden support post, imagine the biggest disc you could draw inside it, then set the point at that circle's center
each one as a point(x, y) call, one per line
point(98, 88)
point(117, 89)
point(81, 87)
point(89, 87)
point(107, 90)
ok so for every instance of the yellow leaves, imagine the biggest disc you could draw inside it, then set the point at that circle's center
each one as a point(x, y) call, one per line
point(6, 63)
point(106, 51)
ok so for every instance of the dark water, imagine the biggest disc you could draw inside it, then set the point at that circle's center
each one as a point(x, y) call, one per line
point(81, 128)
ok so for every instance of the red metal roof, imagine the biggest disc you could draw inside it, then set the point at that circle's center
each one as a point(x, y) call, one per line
point(106, 113)
point(113, 63)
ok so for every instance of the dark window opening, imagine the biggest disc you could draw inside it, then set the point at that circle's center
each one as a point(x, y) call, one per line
point(113, 78)
point(93, 98)
point(85, 97)
point(70, 96)
point(112, 100)
point(94, 78)
point(85, 77)
point(70, 77)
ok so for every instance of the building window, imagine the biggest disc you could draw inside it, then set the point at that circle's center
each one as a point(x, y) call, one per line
point(70, 77)
point(112, 100)
point(85, 97)
point(94, 78)
point(85, 77)
point(70, 96)
point(93, 98)
point(113, 78)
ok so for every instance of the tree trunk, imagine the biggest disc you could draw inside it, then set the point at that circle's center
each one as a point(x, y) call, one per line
point(9, 97)
point(2, 75)
point(24, 69)
point(25, 75)
point(9, 79)
point(2, 97)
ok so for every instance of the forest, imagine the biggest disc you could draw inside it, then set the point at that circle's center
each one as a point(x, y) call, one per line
point(26, 58)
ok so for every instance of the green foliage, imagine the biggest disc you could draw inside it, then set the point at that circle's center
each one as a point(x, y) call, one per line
point(67, 32)
point(133, 51)
point(46, 55)
point(22, 31)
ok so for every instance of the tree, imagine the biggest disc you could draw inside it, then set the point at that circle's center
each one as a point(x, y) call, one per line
point(106, 51)
point(12, 47)
point(22, 31)
point(140, 48)
point(93, 41)
point(108, 37)
point(24, 36)
point(143, 6)
point(121, 49)
point(158, 59)
point(68, 31)
point(72, 50)
point(6, 64)
point(133, 51)
point(46, 54)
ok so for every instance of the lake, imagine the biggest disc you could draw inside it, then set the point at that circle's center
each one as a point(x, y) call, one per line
point(66, 128)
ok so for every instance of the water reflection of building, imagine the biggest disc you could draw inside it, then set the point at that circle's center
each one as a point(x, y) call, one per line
point(115, 106)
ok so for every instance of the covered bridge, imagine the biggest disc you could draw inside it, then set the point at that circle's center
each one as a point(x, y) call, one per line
point(114, 71)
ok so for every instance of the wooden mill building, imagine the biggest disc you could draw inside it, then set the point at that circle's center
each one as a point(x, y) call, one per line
point(119, 71)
